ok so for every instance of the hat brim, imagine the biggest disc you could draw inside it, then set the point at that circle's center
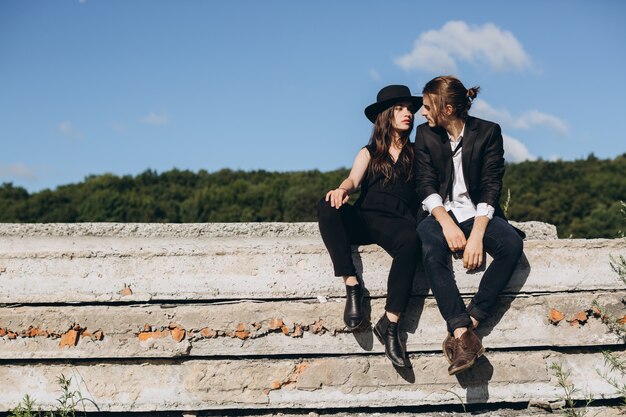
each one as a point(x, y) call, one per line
point(373, 110)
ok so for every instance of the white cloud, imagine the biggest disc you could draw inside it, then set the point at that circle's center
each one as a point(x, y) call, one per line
point(440, 51)
point(156, 119)
point(536, 118)
point(374, 74)
point(68, 129)
point(526, 121)
point(516, 151)
point(17, 171)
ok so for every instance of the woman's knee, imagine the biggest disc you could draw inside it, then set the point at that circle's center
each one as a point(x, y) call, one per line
point(407, 241)
point(325, 210)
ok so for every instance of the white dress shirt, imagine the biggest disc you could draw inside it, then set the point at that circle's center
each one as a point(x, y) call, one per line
point(461, 204)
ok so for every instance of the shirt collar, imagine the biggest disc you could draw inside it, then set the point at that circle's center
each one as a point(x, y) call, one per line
point(460, 136)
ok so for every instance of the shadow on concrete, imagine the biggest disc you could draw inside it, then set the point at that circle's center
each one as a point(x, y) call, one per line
point(476, 381)
point(518, 279)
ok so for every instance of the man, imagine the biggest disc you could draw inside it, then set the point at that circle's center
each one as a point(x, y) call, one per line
point(460, 165)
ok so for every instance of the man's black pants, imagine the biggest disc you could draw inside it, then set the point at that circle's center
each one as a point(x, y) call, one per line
point(501, 241)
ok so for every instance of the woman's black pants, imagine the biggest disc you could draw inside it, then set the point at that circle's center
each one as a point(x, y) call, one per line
point(341, 228)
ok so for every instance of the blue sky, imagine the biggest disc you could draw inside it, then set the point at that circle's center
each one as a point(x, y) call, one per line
point(121, 86)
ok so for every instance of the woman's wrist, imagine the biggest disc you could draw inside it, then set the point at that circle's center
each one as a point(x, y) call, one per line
point(341, 188)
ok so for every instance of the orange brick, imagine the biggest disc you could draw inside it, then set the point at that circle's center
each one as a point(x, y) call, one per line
point(297, 332)
point(276, 324)
point(126, 291)
point(178, 334)
point(208, 333)
point(69, 339)
point(317, 327)
point(556, 316)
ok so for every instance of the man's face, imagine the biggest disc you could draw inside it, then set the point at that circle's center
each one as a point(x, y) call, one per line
point(427, 111)
point(402, 117)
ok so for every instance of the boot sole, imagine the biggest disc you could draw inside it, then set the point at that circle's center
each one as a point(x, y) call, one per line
point(468, 365)
point(380, 339)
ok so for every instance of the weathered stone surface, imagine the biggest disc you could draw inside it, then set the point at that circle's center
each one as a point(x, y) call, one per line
point(533, 229)
point(92, 269)
point(369, 381)
point(288, 350)
point(294, 328)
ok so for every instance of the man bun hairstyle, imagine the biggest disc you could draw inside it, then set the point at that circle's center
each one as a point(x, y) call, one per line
point(448, 90)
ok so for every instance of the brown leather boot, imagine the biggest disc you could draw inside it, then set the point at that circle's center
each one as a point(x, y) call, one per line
point(468, 348)
point(448, 346)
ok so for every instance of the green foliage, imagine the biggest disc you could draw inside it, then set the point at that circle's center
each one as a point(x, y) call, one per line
point(569, 408)
point(68, 401)
point(580, 197)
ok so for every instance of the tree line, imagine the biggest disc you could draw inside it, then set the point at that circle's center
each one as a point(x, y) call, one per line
point(582, 198)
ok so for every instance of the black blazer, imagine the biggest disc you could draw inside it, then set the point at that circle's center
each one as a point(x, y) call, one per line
point(482, 157)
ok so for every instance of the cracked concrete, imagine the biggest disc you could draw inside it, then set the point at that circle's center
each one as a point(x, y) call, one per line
point(317, 382)
point(249, 317)
point(92, 269)
point(270, 328)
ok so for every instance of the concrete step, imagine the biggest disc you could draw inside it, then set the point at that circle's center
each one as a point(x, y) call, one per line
point(315, 383)
point(245, 329)
point(98, 269)
point(232, 317)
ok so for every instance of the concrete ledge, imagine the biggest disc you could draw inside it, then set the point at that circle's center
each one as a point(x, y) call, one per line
point(92, 269)
point(335, 382)
point(533, 230)
point(247, 329)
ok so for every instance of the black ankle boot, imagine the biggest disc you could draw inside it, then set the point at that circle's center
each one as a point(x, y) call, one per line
point(388, 334)
point(353, 313)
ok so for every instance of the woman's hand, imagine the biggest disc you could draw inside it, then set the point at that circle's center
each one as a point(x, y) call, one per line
point(337, 197)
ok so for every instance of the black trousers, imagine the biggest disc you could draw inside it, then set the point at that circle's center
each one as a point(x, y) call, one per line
point(341, 228)
point(501, 241)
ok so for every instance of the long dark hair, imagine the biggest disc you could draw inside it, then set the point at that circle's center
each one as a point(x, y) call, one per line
point(382, 137)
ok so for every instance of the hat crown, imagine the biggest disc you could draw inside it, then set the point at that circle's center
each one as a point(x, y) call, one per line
point(390, 95)
point(393, 91)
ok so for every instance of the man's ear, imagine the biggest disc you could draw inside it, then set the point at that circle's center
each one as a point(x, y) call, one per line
point(449, 110)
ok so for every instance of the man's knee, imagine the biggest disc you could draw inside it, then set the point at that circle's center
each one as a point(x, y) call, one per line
point(509, 244)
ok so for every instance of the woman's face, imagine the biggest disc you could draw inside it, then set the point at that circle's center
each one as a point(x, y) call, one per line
point(402, 117)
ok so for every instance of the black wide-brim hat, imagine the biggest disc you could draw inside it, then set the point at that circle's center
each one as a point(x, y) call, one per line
point(389, 96)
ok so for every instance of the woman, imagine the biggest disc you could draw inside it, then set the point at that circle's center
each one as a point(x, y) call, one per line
point(383, 214)
point(460, 165)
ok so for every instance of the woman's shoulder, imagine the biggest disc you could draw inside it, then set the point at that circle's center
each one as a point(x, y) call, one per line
point(370, 148)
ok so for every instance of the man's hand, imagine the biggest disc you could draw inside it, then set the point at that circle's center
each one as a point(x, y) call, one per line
point(473, 255)
point(454, 236)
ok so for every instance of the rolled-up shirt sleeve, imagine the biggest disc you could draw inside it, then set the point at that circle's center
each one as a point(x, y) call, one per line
point(431, 202)
point(484, 209)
